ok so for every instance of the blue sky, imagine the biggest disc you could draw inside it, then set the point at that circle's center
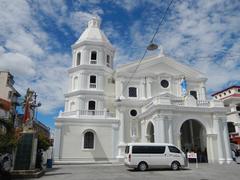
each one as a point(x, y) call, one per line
point(36, 38)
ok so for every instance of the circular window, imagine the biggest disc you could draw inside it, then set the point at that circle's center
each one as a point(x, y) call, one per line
point(133, 112)
point(164, 83)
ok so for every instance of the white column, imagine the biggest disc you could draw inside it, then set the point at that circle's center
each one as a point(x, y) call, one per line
point(121, 144)
point(149, 88)
point(82, 80)
point(170, 130)
point(73, 58)
point(226, 142)
point(162, 130)
point(81, 103)
point(121, 89)
point(100, 58)
point(159, 129)
point(143, 93)
point(66, 105)
point(178, 135)
point(57, 142)
point(203, 93)
point(100, 84)
point(210, 152)
point(218, 129)
point(85, 56)
point(86, 81)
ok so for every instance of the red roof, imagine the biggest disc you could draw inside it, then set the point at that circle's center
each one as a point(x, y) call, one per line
point(225, 90)
point(4, 104)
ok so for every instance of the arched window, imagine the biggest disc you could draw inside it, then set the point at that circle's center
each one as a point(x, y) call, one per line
point(92, 81)
point(194, 94)
point(88, 140)
point(108, 61)
point(75, 83)
point(78, 59)
point(93, 57)
point(91, 105)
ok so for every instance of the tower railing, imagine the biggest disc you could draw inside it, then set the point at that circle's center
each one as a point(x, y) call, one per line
point(83, 112)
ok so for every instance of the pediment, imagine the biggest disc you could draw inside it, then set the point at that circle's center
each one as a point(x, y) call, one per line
point(166, 95)
point(163, 66)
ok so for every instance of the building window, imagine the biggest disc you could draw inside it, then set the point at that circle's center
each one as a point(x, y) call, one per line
point(133, 112)
point(93, 81)
point(229, 91)
point(93, 57)
point(78, 58)
point(238, 107)
point(91, 105)
point(194, 94)
point(224, 94)
point(132, 92)
point(108, 61)
point(10, 94)
point(164, 83)
point(239, 90)
point(88, 140)
point(75, 83)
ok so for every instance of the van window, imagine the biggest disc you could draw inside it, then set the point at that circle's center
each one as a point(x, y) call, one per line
point(173, 149)
point(127, 150)
point(148, 149)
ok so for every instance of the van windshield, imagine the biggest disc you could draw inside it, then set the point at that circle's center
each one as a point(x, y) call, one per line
point(127, 150)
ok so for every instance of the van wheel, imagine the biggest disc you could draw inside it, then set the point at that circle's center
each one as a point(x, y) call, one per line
point(175, 165)
point(142, 166)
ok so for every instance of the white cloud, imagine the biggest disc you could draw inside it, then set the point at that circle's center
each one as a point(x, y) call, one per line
point(17, 63)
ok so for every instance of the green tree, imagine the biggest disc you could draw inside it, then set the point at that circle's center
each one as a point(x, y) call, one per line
point(8, 140)
point(43, 141)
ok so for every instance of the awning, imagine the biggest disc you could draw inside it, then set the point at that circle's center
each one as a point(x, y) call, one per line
point(5, 105)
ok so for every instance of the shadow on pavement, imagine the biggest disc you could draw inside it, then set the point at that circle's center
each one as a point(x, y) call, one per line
point(157, 169)
point(55, 174)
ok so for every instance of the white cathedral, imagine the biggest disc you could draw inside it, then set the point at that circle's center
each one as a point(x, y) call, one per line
point(106, 108)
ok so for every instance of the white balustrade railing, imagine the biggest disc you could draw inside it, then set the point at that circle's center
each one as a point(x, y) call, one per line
point(175, 101)
point(88, 113)
point(203, 103)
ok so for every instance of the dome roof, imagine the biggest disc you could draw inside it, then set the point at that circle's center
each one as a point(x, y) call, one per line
point(93, 33)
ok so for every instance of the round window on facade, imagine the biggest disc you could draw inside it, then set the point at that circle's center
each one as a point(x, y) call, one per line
point(133, 112)
point(164, 83)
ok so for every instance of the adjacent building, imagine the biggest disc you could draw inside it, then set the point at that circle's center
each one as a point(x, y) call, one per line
point(8, 95)
point(159, 101)
point(231, 99)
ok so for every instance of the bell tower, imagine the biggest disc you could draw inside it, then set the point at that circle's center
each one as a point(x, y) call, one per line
point(91, 73)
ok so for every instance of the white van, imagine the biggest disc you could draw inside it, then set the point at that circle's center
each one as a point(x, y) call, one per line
point(143, 156)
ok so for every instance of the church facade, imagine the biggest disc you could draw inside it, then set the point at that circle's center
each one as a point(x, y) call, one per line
point(105, 108)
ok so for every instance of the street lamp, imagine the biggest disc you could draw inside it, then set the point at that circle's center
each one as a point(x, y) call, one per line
point(152, 46)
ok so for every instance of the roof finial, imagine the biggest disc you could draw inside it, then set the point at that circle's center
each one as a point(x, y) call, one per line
point(161, 53)
point(94, 22)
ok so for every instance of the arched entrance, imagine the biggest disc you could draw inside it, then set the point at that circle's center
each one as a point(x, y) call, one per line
point(193, 138)
point(150, 132)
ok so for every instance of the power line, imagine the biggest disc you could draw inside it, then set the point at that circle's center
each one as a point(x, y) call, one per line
point(164, 15)
point(145, 52)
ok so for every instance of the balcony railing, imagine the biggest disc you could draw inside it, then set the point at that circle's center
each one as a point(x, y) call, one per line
point(96, 113)
point(173, 101)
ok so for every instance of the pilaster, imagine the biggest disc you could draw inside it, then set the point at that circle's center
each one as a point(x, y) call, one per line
point(218, 130)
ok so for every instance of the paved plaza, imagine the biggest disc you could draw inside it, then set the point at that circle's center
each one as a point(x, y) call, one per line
point(120, 172)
